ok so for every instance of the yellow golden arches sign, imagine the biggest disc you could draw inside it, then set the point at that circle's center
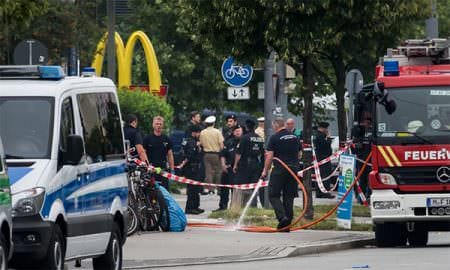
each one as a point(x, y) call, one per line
point(125, 58)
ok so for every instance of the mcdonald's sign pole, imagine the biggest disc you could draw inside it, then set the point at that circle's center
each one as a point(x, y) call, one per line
point(111, 46)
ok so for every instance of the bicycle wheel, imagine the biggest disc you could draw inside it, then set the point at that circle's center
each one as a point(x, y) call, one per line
point(132, 221)
point(142, 212)
point(164, 218)
point(153, 210)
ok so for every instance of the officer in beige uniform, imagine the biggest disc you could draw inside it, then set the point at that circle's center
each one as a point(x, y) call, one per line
point(260, 129)
point(211, 140)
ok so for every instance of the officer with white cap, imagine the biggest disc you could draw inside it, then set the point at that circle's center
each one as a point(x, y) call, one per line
point(210, 119)
point(260, 129)
point(211, 140)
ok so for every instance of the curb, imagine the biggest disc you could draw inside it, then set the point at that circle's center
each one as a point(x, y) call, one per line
point(331, 246)
point(263, 253)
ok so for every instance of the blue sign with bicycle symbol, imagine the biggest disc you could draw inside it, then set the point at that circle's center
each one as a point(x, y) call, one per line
point(235, 75)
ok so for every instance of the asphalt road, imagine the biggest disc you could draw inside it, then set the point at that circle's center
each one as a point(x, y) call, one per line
point(434, 257)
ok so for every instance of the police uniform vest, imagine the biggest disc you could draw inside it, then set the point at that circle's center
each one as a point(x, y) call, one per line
point(229, 150)
point(251, 149)
point(191, 152)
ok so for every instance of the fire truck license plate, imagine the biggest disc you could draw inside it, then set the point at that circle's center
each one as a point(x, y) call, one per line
point(434, 202)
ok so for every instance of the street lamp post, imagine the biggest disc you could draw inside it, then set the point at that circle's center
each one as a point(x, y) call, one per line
point(111, 45)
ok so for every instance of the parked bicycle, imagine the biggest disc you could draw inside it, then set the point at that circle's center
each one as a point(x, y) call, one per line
point(147, 208)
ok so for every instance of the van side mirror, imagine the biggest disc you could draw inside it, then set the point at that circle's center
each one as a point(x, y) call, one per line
point(75, 150)
point(390, 106)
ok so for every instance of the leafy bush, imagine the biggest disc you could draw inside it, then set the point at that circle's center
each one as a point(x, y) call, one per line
point(145, 106)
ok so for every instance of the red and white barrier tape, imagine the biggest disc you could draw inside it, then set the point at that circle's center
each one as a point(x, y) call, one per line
point(323, 161)
point(317, 172)
point(318, 177)
point(315, 166)
point(360, 192)
point(185, 180)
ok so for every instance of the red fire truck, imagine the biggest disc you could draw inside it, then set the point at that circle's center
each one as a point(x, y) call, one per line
point(406, 116)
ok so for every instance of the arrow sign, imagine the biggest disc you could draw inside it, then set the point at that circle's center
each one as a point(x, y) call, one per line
point(238, 93)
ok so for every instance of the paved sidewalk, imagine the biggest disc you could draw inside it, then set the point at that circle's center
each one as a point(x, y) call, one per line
point(198, 246)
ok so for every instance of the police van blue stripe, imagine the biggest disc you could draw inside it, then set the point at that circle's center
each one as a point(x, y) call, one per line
point(91, 201)
point(16, 173)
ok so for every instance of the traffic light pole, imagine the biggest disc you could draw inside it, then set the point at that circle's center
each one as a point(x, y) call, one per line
point(269, 105)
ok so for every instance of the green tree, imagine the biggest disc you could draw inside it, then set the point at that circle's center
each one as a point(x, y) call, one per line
point(327, 36)
point(145, 106)
point(193, 77)
point(73, 24)
point(15, 16)
point(360, 32)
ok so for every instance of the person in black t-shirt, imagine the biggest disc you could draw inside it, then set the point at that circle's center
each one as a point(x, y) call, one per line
point(285, 146)
point(158, 147)
point(134, 136)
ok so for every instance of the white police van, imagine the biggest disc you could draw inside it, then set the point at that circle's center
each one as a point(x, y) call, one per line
point(5, 214)
point(64, 148)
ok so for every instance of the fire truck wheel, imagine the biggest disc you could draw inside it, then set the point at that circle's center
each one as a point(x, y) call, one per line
point(418, 237)
point(390, 234)
point(402, 234)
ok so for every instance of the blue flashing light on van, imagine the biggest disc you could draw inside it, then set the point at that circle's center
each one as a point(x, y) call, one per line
point(51, 72)
point(88, 72)
point(391, 68)
point(31, 72)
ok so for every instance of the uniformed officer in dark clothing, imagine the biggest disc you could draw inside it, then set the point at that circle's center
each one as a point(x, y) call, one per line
point(231, 122)
point(363, 149)
point(191, 169)
point(249, 160)
point(196, 120)
point(227, 157)
point(134, 136)
point(322, 145)
point(285, 146)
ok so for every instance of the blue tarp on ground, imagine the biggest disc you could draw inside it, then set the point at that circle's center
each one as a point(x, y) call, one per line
point(177, 216)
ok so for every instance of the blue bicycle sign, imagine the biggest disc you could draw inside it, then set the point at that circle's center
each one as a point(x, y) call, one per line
point(234, 75)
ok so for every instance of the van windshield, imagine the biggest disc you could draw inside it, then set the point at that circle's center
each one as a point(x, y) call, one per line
point(421, 111)
point(26, 126)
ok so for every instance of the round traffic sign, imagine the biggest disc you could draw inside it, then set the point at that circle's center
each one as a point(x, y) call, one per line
point(235, 75)
point(354, 81)
point(30, 52)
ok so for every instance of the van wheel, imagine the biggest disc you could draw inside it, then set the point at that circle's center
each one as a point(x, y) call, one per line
point(112, 259)
point(54, 260)
point(3, 253)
